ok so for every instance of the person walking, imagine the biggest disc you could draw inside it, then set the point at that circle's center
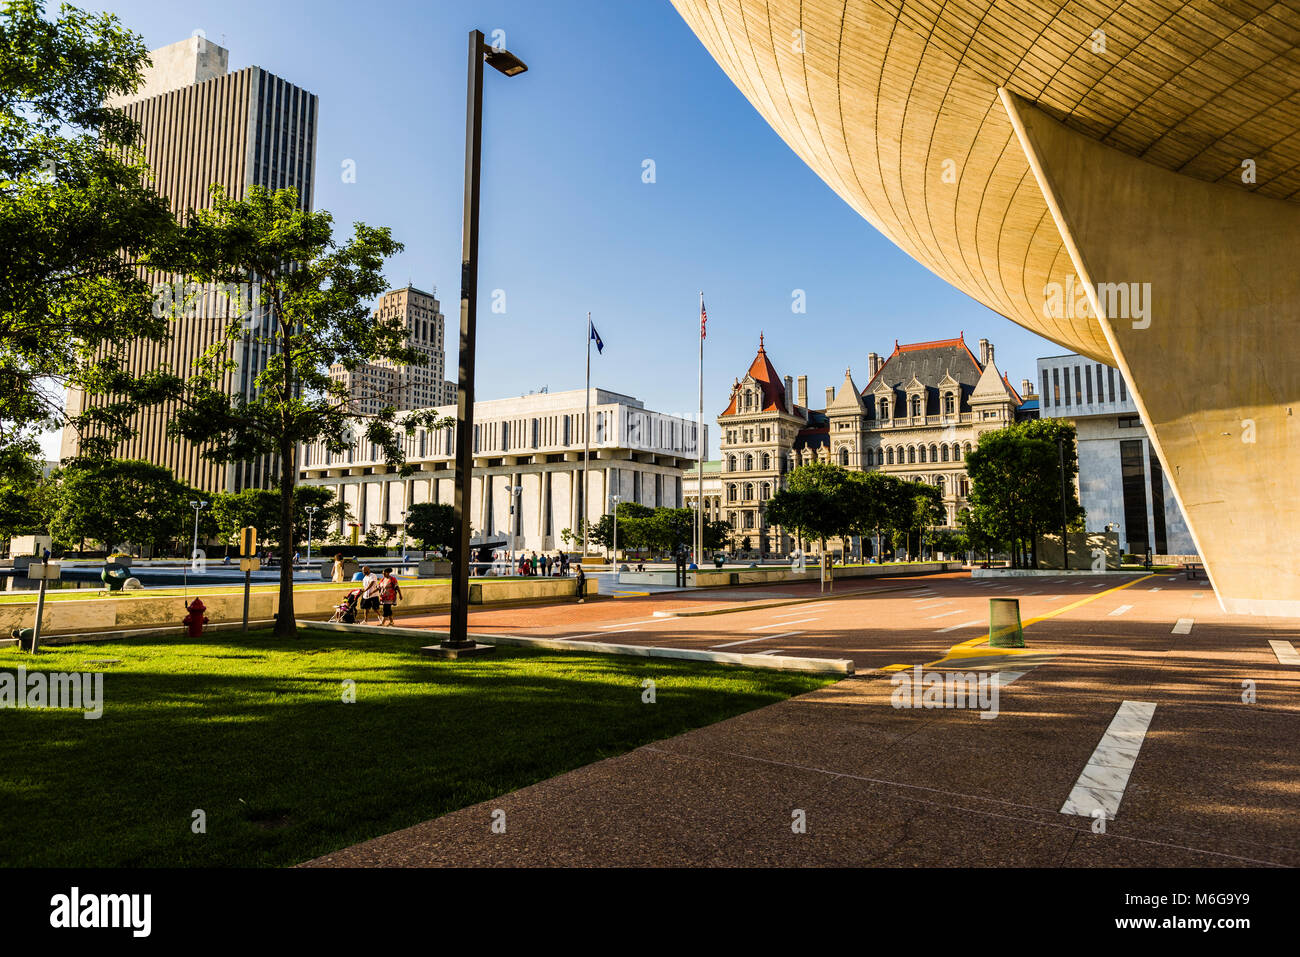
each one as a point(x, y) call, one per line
point(533, 564)
point(582, 583)
point(369, 594)
point(338, 573)
point(390, 593)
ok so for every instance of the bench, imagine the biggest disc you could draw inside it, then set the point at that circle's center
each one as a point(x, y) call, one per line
point(1193, 570)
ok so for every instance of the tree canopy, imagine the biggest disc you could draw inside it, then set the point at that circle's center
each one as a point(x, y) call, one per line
point(78, 215)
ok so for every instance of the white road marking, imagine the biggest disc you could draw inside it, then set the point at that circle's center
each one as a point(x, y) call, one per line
point(774, 651)
point(1054, 598)
point(943, 614)
point(1121, 609)
point(625, 624)
point(1157, 588)
point(1285, 651)
point(783, 624)
point(1102, 782)
point(746, 641)
point(1183, 626)
point(964, 624)
point(1098, 585)
point(1028, 593)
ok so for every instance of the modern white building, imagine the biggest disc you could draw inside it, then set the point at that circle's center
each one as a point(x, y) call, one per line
point(1121, 481)
point(528, 449)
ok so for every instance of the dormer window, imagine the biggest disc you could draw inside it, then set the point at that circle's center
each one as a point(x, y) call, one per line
point(949, 406)
point(916, 405)
point(884, 409)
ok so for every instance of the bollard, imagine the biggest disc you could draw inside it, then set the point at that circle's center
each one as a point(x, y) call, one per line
point(1004, 623)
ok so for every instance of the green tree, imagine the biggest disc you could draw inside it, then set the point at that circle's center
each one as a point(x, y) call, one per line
point(26, 499)
point(78, 215)
point(432, 525)
point(113, 501)
point(818, 502)
point(1016, 485)
point(311, 312)
point(716, 534)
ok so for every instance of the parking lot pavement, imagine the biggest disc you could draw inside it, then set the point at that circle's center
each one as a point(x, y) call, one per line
point(1140, 726)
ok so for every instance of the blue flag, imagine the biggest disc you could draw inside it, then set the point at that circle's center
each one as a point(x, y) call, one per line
point(600, 346)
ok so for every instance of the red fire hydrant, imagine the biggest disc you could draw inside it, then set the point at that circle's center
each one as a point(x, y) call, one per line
point(195, 620)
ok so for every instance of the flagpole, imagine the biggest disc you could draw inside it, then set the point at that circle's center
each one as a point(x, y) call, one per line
point(586, 447)
point(699, 441)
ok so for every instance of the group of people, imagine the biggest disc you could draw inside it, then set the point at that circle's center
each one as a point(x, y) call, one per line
point(375, 593)
point(547, 566)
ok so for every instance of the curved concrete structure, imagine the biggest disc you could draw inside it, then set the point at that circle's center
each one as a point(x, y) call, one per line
point(1123, 179)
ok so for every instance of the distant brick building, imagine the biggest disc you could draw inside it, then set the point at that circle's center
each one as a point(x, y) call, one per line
point(922, 410)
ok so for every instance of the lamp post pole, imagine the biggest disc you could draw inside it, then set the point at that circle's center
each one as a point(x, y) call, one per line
point(198, 507)
point(311, 513)
point(514, 519)
point(500, 59)
point(614, 499)
point(1065, 540)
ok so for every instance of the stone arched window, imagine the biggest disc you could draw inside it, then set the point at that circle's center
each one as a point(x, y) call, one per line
point(943, 451)
point(731, 491)
point(911, 454)
point(749, 463)
point(967, 449)
point(749, 491)
point(731, 463)
point(767, 461)
point(871, 457)
point(934, 453)
point(956, 451)
point(921, 457)
point(889, 454)
point(844, 456)
point(765, 491)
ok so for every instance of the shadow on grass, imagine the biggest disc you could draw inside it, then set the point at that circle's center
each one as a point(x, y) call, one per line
point(283, 769)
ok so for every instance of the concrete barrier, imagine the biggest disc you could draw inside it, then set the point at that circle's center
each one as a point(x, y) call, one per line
point(141, 610)
point(717, 578)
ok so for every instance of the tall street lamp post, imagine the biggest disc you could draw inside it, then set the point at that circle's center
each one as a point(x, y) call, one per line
point(1065, 541)
point(510, 65)
point(614, 499)
point(198, 507)
point(311, 513)
point(514, 520)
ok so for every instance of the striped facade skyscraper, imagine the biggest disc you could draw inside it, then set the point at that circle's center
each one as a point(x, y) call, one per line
point(201, 124)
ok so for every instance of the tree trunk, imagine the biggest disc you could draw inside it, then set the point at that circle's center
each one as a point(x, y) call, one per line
point(285, 623)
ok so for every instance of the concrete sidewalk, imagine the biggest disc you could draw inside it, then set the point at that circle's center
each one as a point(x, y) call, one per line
point(1213, 780)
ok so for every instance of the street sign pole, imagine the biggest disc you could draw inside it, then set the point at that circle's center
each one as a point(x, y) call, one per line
point(247, 562)
point(40, 610)
point(248, 580)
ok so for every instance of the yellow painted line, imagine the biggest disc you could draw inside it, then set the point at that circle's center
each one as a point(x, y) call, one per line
point(642, 593)
point(967, 648)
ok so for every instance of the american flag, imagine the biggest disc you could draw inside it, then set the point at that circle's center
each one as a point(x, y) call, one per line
point(704, 318)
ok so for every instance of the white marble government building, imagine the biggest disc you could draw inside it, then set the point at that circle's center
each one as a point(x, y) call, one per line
point(533, 443)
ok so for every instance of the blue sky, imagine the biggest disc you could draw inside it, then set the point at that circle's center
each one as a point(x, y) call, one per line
point(567, 223)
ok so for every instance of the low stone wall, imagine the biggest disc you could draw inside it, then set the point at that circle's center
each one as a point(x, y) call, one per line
point(1043, 573)
point(141, 610)
point(715, 578)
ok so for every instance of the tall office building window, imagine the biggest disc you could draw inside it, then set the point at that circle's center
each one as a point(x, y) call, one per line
point(1088, 377)
point(1065, 375)
point(1123, 392)
point(1078, 388)
point(1056, 387)
point(1133, 479)
point(1110, 377)
point(1158, 502)
point(1046, 394)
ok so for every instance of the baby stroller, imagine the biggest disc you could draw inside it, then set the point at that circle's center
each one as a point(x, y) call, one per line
point(346, 612)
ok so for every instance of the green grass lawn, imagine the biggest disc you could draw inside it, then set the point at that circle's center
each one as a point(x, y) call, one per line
point(254, 731)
